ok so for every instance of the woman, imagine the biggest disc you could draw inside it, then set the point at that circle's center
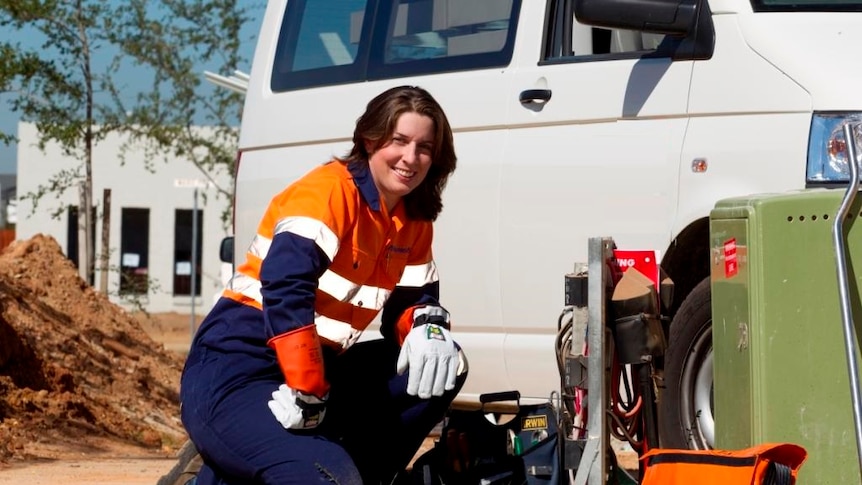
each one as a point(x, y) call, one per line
point(275, 388)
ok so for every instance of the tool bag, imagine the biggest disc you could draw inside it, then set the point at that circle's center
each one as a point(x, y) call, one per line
point(766, 464)
point(473, 450)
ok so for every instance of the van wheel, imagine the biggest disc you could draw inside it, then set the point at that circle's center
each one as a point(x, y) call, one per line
point(686, 418)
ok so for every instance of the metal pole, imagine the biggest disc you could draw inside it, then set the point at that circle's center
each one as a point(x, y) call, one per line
point(844, 286)
point(89, 234)
point(593, 466)
point(82, 235)
point(194, 257)
point(106, 240)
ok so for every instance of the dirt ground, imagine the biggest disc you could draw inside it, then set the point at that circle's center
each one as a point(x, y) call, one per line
point(88, 391)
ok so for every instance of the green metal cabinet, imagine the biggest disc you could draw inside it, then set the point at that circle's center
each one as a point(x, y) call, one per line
point(779, 361)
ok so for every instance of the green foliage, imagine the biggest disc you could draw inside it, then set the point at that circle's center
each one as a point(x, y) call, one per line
point(170, 41)
point(68, 85)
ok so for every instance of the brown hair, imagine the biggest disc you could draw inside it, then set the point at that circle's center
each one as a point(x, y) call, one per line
point(376, 126)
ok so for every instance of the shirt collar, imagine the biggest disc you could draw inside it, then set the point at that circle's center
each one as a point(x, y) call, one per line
point(365, 183)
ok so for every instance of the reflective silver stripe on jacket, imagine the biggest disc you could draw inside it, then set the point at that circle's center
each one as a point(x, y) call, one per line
point(246, 286)
point(336, 331)
point(259, 246)
point(342, 289)
point(310, 228)
point(419, 275)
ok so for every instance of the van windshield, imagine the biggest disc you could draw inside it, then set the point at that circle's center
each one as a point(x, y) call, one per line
point(807, 5)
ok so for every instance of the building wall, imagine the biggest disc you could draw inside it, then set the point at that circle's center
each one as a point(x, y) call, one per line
point(132, 186)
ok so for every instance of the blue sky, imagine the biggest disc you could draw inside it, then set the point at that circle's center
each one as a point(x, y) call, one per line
point(9, 120)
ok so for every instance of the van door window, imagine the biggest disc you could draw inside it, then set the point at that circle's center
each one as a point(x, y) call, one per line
point(324, 42)
point(435, 29)
point(566, 39)
point(321, 42)
point(328, 35)
point(429, 36)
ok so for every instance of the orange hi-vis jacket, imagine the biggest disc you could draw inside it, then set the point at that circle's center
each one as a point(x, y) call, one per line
point(328, 253)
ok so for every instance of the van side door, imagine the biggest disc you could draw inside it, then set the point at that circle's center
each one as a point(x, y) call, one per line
point(596, 123)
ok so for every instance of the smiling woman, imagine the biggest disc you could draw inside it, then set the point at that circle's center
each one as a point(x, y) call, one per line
point(276, 366)
point(402, 131)
point(401, 165)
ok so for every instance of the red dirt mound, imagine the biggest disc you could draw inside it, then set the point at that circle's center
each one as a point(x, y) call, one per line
point(73, 365)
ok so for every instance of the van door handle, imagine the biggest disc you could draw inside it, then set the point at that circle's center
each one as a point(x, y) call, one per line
point(534, 96)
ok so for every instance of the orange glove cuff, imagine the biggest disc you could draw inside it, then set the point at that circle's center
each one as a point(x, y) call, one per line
point(405, 323)
point(301, 360)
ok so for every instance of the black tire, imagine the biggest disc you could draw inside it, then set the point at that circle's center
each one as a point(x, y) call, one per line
point(686, 418)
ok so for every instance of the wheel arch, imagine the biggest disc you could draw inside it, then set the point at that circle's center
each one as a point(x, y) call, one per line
point(686, 260)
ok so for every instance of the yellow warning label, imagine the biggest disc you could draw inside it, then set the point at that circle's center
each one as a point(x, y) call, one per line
point(534, 422)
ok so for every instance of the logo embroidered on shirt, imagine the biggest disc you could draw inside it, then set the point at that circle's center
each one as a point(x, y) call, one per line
point(399, 249)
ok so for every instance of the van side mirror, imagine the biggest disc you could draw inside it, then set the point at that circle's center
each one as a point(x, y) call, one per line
point(689, 20)
point(670, 17)
point(225, 251)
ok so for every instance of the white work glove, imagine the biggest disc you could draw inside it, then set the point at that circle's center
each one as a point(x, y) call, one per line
point(295, 409)
point(430, 354)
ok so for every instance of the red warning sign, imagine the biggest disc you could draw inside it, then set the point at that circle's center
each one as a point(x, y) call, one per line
point(731, 265)
point(645, 261)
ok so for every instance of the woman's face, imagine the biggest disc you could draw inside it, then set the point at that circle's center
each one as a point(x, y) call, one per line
point(401, 164)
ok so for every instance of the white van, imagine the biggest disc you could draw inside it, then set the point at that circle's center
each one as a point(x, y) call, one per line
point(564, 132)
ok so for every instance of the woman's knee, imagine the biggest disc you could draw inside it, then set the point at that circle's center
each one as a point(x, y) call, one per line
point(331, 468)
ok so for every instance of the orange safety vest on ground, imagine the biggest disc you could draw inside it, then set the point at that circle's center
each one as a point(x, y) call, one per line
point(768, 464)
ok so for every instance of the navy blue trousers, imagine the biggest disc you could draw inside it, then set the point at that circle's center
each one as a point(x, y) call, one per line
point(371, 430)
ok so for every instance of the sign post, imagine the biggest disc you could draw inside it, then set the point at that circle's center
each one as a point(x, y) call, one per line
point(194, 258)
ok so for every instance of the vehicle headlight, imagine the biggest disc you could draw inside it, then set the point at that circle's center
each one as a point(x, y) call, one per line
point(827, 149)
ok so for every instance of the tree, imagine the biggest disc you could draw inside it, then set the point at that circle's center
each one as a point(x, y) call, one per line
point(165, 115)
point(74, 97)
point(14, 65)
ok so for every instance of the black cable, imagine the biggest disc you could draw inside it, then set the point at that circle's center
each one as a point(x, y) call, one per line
point(562, 343)
point(624, 433)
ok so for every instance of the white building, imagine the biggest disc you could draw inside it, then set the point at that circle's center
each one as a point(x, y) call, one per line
point(150, 230)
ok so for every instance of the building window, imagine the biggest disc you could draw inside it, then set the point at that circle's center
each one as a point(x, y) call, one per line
point(134, 251)
point(185, 237)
